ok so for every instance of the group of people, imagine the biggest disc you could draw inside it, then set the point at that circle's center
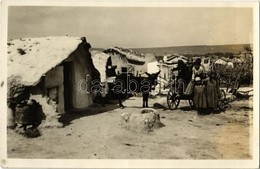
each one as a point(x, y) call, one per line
point(203, 86)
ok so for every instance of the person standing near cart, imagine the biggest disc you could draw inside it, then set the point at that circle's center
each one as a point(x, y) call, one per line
point(184, 76)
point(199, 99)
point(212, 91)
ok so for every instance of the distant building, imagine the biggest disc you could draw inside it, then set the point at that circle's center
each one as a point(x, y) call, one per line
point(100, 60)
point(173, 59)
point(220, 62)
point(126, 61)
point(152, 67)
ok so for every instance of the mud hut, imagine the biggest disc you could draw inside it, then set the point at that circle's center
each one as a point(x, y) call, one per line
point(153, 67)
point(54, 71)
point(100, 61)
point(173, 59)
point(126, 61)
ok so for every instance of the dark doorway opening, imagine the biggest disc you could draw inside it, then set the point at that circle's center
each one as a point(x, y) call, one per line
point(67, 83)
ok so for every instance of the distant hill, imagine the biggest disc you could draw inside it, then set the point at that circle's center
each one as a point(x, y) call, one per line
point(158, 52)
point(198, 50)
point(98, 49)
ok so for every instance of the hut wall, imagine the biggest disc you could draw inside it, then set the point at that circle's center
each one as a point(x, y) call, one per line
point(165, 72)
point(52, 103)
point(55, 88)
point(121, 62)
point(82, 73)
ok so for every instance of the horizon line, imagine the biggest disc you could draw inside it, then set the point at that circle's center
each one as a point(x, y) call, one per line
point(174, 46)
point(8, 39)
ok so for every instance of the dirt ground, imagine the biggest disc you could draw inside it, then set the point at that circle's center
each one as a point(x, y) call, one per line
point(97, 134)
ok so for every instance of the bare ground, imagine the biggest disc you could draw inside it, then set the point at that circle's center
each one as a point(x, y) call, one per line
point(97, 134)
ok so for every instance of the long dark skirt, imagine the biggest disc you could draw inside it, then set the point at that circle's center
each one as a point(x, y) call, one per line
point(200, 98)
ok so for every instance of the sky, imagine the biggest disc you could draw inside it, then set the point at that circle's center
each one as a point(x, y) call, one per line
point(135, 27)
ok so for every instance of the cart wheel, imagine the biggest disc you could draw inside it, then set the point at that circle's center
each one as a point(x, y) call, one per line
point(191, 103)
point(222, 94)
point(172, 102)
point(222, 99)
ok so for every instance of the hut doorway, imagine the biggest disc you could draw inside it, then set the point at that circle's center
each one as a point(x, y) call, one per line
point(67, 83)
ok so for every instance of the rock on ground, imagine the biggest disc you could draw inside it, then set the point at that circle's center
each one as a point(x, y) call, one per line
point(146, 120)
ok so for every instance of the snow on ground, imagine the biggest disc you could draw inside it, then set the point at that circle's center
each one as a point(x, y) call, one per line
point(30, 58)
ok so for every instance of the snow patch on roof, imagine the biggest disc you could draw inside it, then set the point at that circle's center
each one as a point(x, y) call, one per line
point(173, 59)
point(128, 54)
point(30, 58)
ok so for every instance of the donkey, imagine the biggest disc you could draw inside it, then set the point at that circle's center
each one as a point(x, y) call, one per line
point(126, 84)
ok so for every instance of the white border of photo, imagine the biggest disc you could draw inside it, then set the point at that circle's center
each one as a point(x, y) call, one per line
point(126, 163)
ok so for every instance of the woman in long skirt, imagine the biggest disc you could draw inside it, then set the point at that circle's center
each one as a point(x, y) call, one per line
point(212, 89)
point(200, 98)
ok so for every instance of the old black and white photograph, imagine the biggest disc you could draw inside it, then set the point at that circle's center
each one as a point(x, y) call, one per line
point(157, 82)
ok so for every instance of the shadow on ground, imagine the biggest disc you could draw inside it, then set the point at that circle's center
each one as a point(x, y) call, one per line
point(187, 108)
point(95, 109)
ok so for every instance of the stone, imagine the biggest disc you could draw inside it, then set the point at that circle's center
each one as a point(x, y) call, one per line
point(146, 120)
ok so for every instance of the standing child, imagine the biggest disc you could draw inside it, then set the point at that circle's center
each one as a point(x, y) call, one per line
point(212, 90)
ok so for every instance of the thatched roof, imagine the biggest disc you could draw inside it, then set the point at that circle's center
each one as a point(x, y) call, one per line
point(173, 59)
point(130, 55)
point(30, 58)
